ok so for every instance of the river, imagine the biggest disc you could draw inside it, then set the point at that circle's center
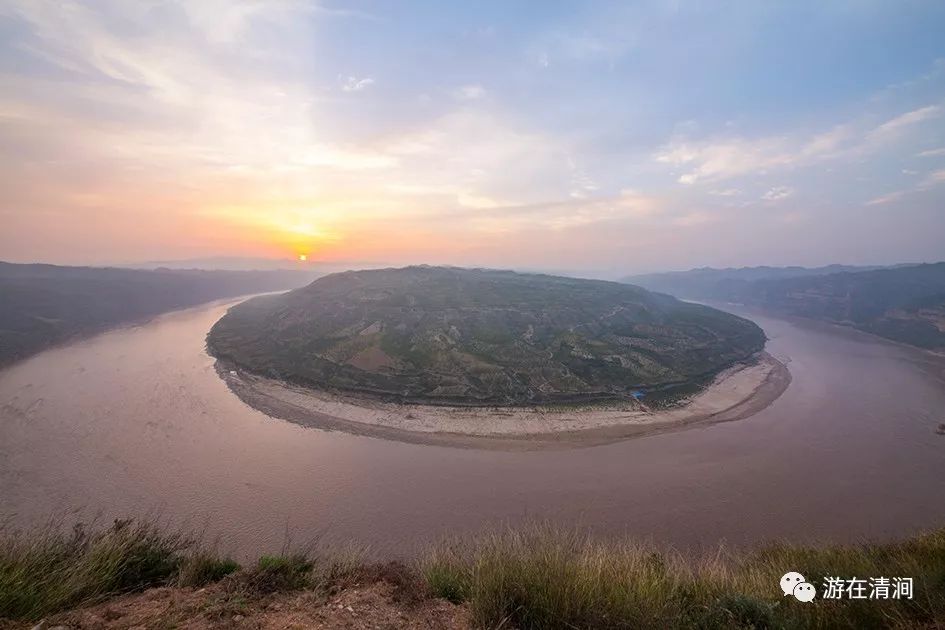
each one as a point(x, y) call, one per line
point(136, 421)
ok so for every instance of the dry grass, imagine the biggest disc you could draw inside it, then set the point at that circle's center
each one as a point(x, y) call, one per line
point(536, 577)
point(542, 577)
point(49, 570)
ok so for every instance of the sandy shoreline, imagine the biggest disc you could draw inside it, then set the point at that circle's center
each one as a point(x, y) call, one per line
point(736, 393)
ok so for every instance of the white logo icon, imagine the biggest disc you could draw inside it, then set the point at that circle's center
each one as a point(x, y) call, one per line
point(793, 583)
point(805, 592)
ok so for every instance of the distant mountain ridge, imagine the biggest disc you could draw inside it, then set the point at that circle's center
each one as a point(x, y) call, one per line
point(905, 303)
point(43, 305)
point(710, 282)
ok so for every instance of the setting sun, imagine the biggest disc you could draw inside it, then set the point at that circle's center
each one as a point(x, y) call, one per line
point(303, 257)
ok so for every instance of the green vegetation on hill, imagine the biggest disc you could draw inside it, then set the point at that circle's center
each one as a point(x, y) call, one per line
point(903, 303)
point(472, 336)
point(44, 305)
point(537, 578)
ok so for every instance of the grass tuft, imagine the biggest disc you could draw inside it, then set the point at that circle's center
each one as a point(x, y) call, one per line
point(279, 573)
point(47, 570)
point(203, 567)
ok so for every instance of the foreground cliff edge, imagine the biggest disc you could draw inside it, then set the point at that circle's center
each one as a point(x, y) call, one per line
point(137, 575)
point(484, 358)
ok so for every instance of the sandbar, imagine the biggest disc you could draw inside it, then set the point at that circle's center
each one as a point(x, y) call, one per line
point(736, 393)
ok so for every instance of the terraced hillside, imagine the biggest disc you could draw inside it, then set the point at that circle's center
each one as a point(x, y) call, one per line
point(471, 336)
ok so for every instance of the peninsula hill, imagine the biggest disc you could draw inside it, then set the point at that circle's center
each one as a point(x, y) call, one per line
point(474, 337)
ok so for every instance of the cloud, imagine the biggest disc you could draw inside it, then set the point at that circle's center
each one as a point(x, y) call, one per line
point(354, 84)
point(721, 158)
point(727, 192)
point(932, 153)
point(893, 196)
point(901, 122)
point(933, 179)
point(239, 139)
point(470, 92)
point(153, 96)
point(778, 193)
point(828, 143)
point(479, 153)
point(629, 205)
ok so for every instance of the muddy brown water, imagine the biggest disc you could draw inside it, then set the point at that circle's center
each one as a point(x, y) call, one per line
point(137, 421)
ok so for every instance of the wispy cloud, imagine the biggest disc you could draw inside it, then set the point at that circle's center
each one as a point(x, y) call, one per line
point(355, 84)
point(933, 179)
point(777, 193)
point(932, 153)
point(928, 182)
point(903, 121)
point(721, 159)
point(628, 206)
point(893, 196)
point(718, 159)
point(244, 138)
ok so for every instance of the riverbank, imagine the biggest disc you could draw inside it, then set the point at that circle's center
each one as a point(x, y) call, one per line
point(135, 575)
point(736, 393)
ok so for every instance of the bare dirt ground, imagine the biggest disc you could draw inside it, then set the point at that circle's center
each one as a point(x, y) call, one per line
point(370, 606)
point(736, 393)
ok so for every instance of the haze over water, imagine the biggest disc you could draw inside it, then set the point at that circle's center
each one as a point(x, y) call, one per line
point(137, 420)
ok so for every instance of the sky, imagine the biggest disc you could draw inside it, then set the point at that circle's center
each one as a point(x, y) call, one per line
point(604, 138)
